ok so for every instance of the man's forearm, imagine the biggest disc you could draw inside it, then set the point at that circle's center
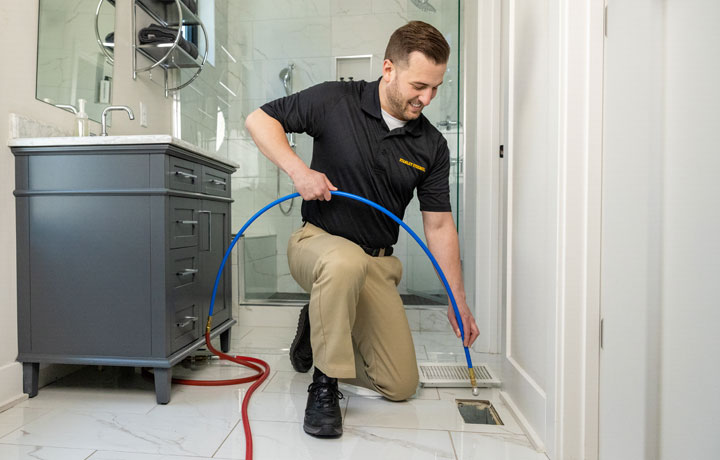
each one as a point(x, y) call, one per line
point(443, 243)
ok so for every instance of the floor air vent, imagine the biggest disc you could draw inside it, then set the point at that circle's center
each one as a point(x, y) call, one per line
point(478, 412)
point(453, 375)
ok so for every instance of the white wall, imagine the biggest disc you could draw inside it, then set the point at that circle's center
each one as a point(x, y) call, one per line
point(18, 29)
point(690, 376)
point(632, 191)
point(661, 218)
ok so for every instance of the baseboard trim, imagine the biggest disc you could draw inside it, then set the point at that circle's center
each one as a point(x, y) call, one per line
point(12, 402)
point(10, 385)
point(534, 439)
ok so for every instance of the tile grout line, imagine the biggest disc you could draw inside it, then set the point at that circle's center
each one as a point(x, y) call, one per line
point(347, 404)
point(486, 433)
point(228, 435)
point(452, 443)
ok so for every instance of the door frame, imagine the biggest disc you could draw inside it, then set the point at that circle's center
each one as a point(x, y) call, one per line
point(579, 345)
point(482, 223)
point(582, 38)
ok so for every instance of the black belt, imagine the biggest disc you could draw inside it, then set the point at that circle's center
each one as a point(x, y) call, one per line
point(378, 252)
point(374, 252)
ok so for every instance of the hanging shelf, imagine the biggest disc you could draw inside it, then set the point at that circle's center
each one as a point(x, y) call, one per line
point(168, 55)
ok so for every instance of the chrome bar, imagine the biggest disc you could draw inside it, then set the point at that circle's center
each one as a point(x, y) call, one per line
point(186, 175)
point(188, 320)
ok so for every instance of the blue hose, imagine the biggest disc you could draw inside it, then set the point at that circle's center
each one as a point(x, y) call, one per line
point(379, 208)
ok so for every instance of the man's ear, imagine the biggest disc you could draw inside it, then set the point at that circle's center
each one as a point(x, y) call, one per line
point(388, 70)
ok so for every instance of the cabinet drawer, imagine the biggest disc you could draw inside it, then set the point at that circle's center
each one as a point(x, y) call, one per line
point(184, 268)
point(187, 326)
point(184, 175)
point(215, 182)
point(184, 224)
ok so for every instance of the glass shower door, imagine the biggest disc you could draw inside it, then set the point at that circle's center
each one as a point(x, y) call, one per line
point(421, 282)
point(269, 48)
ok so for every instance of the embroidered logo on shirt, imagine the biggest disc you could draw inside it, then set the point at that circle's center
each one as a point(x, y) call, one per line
point(409, 163)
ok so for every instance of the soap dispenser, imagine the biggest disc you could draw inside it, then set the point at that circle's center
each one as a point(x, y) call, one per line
point(81, 119)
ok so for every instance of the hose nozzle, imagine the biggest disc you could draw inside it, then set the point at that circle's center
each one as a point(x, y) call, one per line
point(473, 382)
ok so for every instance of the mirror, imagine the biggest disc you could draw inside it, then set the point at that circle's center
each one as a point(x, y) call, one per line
point(74, 58)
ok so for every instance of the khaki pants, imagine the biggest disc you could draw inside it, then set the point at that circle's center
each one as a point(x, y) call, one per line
point(359, 331)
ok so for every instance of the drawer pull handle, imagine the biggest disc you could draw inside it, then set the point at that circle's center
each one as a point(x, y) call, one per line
point(187, 271)
point(186, 175)
point(187, 222)
point(187, 320)
point(217, 182)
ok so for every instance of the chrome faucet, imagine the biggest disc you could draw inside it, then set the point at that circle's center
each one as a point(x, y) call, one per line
point(110, 108)
point(68, 107)
point(447, 123)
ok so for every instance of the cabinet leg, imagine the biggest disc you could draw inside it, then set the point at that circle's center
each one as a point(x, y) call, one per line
point(163, 381)
point(225, 341)
point(31, 373)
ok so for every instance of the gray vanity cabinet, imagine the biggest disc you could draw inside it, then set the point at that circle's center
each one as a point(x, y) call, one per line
point(118, 249)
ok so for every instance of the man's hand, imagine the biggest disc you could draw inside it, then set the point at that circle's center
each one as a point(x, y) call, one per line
point(469, 325)
point(312, 185)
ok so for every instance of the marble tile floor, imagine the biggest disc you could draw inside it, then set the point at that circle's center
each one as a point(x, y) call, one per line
point(110, 413)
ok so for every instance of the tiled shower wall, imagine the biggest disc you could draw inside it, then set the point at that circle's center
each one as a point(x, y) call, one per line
point(254, 41)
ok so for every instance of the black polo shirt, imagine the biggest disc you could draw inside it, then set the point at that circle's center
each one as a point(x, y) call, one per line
point(356, 151)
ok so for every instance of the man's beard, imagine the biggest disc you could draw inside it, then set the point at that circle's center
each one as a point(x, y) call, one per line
point(398, 104)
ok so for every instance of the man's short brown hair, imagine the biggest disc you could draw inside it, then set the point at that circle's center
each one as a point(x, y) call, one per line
point(417, 36)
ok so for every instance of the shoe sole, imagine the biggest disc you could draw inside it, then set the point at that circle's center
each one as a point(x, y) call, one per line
point(324, 431)
point(296, 364)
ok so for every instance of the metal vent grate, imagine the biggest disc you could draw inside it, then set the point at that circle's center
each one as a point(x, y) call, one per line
point(454, 375)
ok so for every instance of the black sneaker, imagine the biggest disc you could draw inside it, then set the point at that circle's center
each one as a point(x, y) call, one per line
point(322, 414)
point(300, 351)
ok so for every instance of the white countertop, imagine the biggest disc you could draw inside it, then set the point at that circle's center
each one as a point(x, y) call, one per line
point(116, 140)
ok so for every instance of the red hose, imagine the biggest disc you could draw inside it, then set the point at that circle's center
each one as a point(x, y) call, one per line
point(258, 378)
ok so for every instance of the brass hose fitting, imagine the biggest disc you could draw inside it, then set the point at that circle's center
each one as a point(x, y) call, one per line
point(473, 382)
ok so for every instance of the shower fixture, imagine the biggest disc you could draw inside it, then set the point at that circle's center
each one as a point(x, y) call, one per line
point(286, 78)
point(424, 5)
point(286, 75)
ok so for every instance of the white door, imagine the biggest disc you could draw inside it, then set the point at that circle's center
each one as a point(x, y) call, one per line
point(532, 162)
